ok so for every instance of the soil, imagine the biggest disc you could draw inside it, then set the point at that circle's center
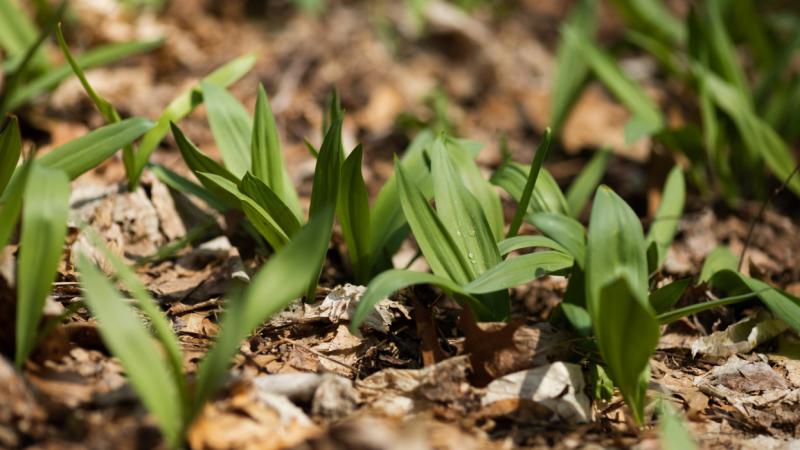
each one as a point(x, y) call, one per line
point(418, 377)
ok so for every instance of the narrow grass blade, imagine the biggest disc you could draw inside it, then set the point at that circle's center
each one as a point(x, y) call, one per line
point(434, 239)
point(652, 16)
point(665, 223)
point(507, 246)
point(518, 270)
point(581, 189)
point(568, 232)
point(461, 214)
point(128, 339)
point(44, 225)
point(10, 150)
point(86, 152)
point(268, 164)
point(665, 297)
point(230, 125)
point(571, 68)
point(185, 103)
point(354, 215)
point(282, 279)
point(721, 47)
point(271, 202)
point(393, 280)
point(106, 109)
point(676, 314)
point(98, 56)
point(527, 191)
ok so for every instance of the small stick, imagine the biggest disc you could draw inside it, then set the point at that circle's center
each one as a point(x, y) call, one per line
point(761, 212)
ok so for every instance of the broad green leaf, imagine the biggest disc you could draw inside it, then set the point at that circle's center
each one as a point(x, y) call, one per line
point(266, 225)
point(98, 56)
point(434, 239)
point(571, 68)
point(672, 430)
point(388, 225)
point(185, 103)
point(200, 163)
point(44, 225)
point(10, 149)
point(507, 246)
point(128, 339)
point(461, 213)
point(547, 196)
point(615, 248)
point(783, 305)
point(518, 270)
point(581, 189)
point(721, 258)
point(86, 152)
point(644, 110)
point(665, 297)
point(354, 215)
point(393, 280)
point(568, 232)
point(463, 161)
point(282, 279)
point(665, 223)
point(325, 187)
point(272, 204)
point(268, 164)
point(106, 109)
point(530, 183)
point(230, 125)
point(627, 333)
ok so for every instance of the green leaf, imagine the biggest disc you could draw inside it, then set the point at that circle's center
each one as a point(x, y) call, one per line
point(627, 333)
point(461, 214)
point(131, 343)
point(98, 56)
point(434, 239)
point(665, 297)
point(518, 270)
point(186, 186)
point(271, 203)
point(388, 225)
point(672, 431)
point(530, 183)
point(44, 225)
point(644, 110)
point(282, 279)
point(723, 52)
point(200, 163)
point(652, 16)
point(581, 189)
point(185, 103)
point(616, 291)
point(671, 316)
point(268, 164)
point(11, 203)
point(568, 232)
point(230, 125)
point(507, 246)
point(106, 109)
point(10, 149)
point(721, 258)
point(18, 33)
point(86, 152)
point(784, 306)
point(354, 215)
point(463, 161)
point(665, 222)
point(571, 68)
point(266, 225)
point(547, 196)
point(325, 187)
point(393, 280)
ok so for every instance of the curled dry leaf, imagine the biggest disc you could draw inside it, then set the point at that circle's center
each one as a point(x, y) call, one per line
point(741, 337)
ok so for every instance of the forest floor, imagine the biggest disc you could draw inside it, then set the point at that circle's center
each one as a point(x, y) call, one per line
point(303, 381)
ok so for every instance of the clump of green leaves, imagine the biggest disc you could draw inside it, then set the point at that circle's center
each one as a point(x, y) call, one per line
point(155, 366)
point(38, 192)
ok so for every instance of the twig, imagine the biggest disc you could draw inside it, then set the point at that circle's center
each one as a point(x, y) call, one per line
point(761, 212)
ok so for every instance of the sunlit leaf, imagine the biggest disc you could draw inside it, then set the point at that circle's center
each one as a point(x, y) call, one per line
point(518, 270)
point(272, 204)
point(719, 259)
point(530, 184)
point(519, 242)
point(231, 127)
point(581, 189)
point(665, 222)
point(568, 232)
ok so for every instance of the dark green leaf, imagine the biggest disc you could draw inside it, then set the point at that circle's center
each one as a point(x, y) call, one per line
point(271, 203)
point(354, 215)
point(665, 297)
point(530, 183)
point(10, 149)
